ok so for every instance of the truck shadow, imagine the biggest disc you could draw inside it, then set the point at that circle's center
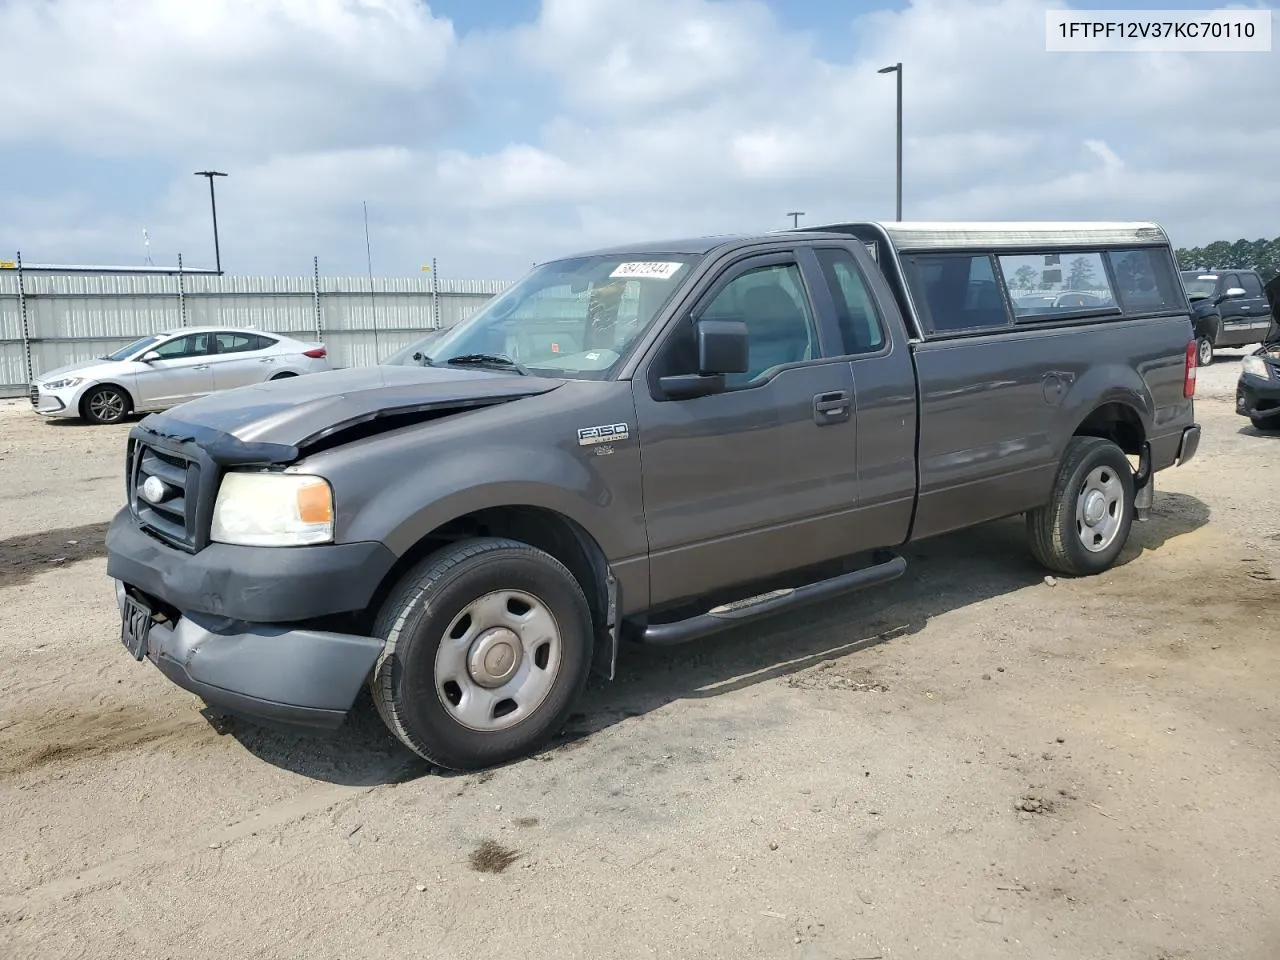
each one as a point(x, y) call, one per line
point(944, 574)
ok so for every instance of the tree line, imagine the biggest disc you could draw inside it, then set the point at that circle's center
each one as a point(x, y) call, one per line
point(1262, 255)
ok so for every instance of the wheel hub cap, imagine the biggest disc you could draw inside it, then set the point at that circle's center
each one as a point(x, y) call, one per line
point(1095, 508)
point(494, 657)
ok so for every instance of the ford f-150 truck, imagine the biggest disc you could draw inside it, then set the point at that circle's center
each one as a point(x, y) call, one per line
point(648, 444)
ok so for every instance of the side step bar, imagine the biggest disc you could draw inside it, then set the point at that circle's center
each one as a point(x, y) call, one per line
point(732, 614)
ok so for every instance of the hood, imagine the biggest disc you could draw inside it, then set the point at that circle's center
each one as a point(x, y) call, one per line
point(94, 369)
point(276, 420)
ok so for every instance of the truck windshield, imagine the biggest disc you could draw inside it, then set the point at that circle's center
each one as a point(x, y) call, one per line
point(571, 318)
point(1199, 285)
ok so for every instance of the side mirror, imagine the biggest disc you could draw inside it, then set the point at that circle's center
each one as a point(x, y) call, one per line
point(150, 356)
point(723, 348)
point(1233, 293)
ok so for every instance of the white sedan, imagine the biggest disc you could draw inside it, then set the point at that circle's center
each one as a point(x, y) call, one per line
point(169, 368)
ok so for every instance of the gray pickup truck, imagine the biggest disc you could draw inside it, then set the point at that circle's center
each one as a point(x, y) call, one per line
point(648, 444)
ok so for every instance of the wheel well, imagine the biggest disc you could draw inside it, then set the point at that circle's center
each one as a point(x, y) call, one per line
point(84, 397)
point(545, 529)
point(284, 375)
point(1117, 422)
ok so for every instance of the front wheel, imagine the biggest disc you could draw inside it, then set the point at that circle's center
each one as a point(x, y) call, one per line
point(1204, 352)
point(1265, 425)
point(1086, 523)
point(106, 404)
point(488, 645)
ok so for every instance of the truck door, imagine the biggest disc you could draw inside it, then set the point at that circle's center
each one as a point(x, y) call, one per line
point(762, 478)
point(1254, 306)
point(1237, 321)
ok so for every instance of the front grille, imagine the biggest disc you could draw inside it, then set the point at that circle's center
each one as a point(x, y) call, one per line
point(173, 517)
point(35, 396)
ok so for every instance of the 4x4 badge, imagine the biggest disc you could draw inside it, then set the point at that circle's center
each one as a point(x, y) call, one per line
point(604, 433)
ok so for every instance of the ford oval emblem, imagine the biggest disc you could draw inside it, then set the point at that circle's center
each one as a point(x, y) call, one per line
point(154, 490)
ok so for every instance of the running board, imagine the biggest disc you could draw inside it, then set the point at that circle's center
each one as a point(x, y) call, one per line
point(733, 614)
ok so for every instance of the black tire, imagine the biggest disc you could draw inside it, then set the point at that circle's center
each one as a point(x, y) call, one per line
point(1265, 425)
point(1204, 352)
point(105, 405)
point(414, 620)
point(283, 376)
point(1052, 531)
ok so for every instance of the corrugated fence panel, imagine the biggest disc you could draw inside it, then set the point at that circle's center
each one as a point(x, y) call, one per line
point(75, 317)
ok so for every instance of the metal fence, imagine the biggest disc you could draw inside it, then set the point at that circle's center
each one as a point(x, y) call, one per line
point(50, 317)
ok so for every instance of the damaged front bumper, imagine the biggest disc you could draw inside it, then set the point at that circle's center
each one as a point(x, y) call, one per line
point(234, 624)
point(295, 676)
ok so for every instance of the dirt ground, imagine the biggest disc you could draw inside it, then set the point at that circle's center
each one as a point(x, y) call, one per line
point(972, 763)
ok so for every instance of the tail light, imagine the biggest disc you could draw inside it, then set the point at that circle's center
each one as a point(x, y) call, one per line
point(1189, 371)
point(316, 353)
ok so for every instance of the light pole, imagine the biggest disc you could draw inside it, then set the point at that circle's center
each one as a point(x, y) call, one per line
point(213, 204)
point(897, 68)
point(795, 216)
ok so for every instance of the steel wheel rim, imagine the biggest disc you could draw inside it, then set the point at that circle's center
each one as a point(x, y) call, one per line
point(1206, 352)
point(106, 405)
point(1100, 509)
point(498, 660)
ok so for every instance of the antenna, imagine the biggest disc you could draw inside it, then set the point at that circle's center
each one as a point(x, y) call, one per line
point(373, 300)
point(146, 246)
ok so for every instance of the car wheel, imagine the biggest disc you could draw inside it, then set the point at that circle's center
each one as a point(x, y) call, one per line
point(1264, 424)
point(1204, 352)
point(487, 646)
point(1087, 521)
point(106, 404)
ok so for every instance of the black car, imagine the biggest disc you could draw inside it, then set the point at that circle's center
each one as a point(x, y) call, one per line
point(1258, 389)
point(1229, 309)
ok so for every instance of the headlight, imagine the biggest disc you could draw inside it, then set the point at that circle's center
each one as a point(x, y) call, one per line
point(1256, 366)
point(273, 510)
point(60, 384)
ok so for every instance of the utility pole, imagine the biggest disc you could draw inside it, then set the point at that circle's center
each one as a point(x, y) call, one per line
point(213, 204)
point(795, 216)
point(897, 68)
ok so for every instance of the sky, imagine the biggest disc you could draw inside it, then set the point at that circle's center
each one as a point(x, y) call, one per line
point(490, 134)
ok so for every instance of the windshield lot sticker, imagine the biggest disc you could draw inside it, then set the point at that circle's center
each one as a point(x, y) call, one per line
point(604, 433)
point(653, 269)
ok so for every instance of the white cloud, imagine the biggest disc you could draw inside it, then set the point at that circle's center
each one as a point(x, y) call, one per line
point(257, 76)
point(636, 121)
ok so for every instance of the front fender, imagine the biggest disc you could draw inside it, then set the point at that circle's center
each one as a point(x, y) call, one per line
point(601, 500)
point(1207, 326)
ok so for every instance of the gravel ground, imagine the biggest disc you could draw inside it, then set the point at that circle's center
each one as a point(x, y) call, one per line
point(971, 763)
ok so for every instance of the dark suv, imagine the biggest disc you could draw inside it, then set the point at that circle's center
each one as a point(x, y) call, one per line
point(1228, 309)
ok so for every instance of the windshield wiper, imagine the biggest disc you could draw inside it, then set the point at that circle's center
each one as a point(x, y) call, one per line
point(488, 360)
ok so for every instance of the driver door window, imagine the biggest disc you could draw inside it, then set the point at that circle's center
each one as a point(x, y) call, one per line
point(192, 345)
point(771, 301)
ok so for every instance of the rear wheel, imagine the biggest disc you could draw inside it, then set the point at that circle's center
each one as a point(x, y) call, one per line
point(105, 404)
point(488, 644)
point(1086, 523)
point(1266, 425)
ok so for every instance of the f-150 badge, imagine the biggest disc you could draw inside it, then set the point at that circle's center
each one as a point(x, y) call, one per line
point(605, 433)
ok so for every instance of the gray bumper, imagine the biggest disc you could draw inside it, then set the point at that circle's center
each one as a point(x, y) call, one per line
point(267, 671)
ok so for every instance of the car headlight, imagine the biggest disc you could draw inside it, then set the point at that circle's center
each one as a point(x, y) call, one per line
point(273, 510)
point(65, 382)
point(1256, 366)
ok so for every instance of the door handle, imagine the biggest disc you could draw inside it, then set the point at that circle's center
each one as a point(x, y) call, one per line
point(831, 407)
point(201, 366)
point(267, 360)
